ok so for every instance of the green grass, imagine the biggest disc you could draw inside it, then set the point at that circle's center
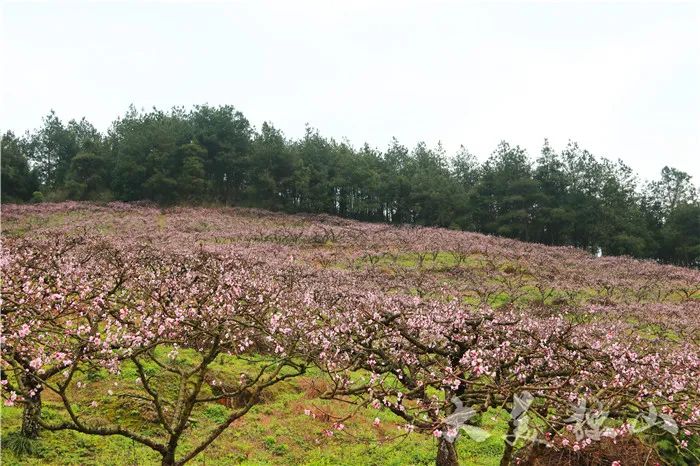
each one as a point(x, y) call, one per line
point(36, 224)
point(440, 261)
point(276, 431)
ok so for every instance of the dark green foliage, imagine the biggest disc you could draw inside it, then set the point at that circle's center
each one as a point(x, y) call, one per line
point(21, 445)
point(87, 176)
point(37, 197)
point(213, 155)
point(18, 181)
point(507, 197)
point(675, 454)
point(680, 235)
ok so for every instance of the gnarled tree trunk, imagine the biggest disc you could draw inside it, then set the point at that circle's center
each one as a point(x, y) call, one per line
point(447, 453)
point(509, 444)
point(168, 458)
point(31, 413)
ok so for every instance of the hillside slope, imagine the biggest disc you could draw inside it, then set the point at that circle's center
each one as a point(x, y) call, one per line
point(425, 271)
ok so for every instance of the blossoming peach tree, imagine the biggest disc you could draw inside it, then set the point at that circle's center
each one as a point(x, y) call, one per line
point(52, 308)
point(164, 318)
point(438, 365)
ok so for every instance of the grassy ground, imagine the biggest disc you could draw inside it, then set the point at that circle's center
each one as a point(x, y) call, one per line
point(275, 432)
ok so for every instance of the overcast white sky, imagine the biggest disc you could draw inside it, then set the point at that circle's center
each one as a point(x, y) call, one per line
point(621, 79)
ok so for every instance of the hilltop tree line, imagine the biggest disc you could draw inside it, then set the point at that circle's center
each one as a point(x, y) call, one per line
point(214, 155)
